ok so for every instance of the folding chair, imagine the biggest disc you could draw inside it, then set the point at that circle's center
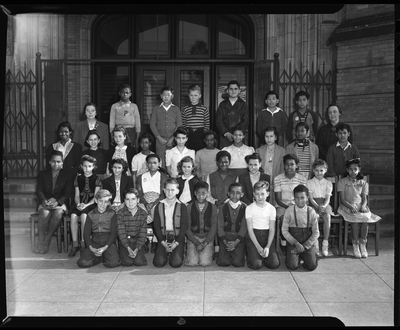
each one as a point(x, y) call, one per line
point(34, 233)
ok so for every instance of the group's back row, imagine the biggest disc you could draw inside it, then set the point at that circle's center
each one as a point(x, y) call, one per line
point(232, 115)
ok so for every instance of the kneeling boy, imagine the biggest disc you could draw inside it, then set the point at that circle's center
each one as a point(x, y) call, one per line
point(300, 229)
point(170, 226)
point(202, 228)
point(100, 233)
point(232, 228)
point(132, 230)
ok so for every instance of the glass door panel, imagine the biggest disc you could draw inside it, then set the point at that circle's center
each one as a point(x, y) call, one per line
point(187, 75)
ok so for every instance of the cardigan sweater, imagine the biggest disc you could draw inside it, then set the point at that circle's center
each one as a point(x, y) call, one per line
point(202, 223)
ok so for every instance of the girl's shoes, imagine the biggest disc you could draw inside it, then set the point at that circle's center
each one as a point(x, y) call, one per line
point(356, 250)
point(325, 246)
point(363, 247)
point(73, 251)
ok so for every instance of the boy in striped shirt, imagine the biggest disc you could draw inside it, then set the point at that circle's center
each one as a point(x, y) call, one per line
point(306, 151)
point(195, 118)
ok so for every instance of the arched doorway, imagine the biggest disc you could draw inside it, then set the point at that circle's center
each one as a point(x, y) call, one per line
point(149, 52)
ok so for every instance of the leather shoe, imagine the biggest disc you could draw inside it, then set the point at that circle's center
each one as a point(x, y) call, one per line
point(38, 247)
point(73, 251)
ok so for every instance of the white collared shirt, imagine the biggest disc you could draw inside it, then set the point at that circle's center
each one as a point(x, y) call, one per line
point(273, 112)
point(347, 145)
point(151, 183)
point(174, 156)
point(166, 108)
point(238, 154)
point(186, 196)
point(169, 214)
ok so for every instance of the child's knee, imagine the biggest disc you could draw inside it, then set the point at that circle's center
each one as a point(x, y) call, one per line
point(83, 263)
point(254, 264)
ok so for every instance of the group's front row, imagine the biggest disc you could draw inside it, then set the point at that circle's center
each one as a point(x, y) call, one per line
point(114, 225)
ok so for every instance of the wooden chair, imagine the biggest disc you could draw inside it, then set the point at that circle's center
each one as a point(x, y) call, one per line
point(336, 232)
point(67, 231)
point(34, 234)
point(375, 230)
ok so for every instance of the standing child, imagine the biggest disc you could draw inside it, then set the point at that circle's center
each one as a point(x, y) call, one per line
point(232, 114)
point(71, 151)
point(120, 148)
point(272, 157)
point(261, 222)
point(93, 142)
point(100, 232)
point(205, 158)
point(320, 190)
point(170, 226)
point(118, 182)
point(54, 188)
point(150, 187)
point(255, 173)
point(300, 228)
point(232, 229)
point(353, 206)
point(132, 231)
point(283, 187)
point(272, 115)
point(186, 180)
point(238, 152)
point(302, 115)
point(164, 121)
point(341, 152)
point(126, 114)
point(174, 156)
point(139, 165)
point(202, 228)
point(86, 187)
point(304, 149)
point(195, 118)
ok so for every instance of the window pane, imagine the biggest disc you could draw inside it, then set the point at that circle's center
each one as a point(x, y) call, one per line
point(153, 82)
point(225, 75)
point(110, 79)
point(114, 37)
point(231, 38)
point(153, 35)
point(193, 35)
point(188, 78)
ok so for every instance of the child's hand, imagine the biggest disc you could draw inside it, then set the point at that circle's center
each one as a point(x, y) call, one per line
point(260, 251)
point(161, 140)
point(321, 209)
point(353, 209)
point(95, 251)
point(266, 252)
point(132, 253)
point(219, 203)
point(299, 248)
point(81, 206)
point(229, 136)
point(167, 246)
point(364, 208)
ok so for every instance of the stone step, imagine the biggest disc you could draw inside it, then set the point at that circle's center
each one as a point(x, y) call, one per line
point(20, 200)
point(381, 202)
point(18, 215)
point(381, 189)
point(19, 186)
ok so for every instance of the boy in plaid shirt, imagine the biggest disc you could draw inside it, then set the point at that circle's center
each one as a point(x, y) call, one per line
point(132, 231)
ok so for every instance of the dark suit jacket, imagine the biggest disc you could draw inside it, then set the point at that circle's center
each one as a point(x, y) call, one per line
point(72, 161)
point(62, 191)
point(126, 183)
point(248, 188)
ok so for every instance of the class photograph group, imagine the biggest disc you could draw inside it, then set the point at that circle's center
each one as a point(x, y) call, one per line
point(197, 162)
